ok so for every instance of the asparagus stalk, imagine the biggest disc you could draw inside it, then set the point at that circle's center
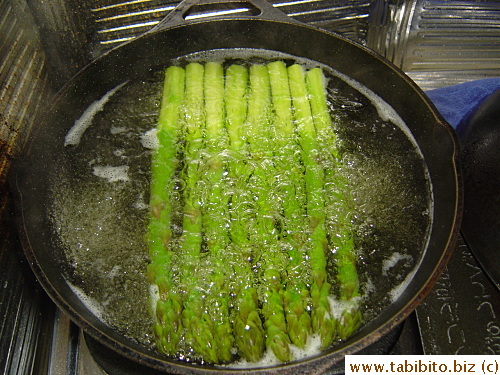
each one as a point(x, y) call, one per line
point(316, 86)
point(167, 309)
point(215, 210)
point(263, 232)
point(347, 277)
point(341, 234)
point(323, 322)
point(296, 296)
point(199, 329)
point(248, 329)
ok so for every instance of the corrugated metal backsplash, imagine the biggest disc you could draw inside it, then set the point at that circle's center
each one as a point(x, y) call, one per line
point(438, 43)
point(23, 77)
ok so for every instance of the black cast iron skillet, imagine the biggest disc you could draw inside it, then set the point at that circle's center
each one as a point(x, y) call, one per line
point(266, 28)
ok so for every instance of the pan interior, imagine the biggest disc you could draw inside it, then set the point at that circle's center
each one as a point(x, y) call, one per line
point(98, 206)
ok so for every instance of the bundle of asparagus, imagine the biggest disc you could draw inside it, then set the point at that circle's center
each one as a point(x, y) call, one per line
point(246, 160)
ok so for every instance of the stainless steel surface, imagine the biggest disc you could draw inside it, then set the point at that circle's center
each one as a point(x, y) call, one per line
point(461, 314)
point(438, 43)
point(26, 312)
point(23, 79)
point(43, 43)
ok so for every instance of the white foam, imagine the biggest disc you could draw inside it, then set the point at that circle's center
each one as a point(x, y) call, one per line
point(112, 174)
point(396, 292)
point(150, 139)
point(269, 359)
point(312, 348)
point(394, 259)
point(75, 134)
point(91, 304)
point(337, 307)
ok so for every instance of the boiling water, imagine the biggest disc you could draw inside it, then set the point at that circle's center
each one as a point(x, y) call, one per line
point(101, 192)
point(100, 207)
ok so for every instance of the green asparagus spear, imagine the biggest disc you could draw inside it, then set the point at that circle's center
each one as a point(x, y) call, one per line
point(215, 209)
point(347, 277)
point(339, 221)
point(316, 86)
point(199, 329)
point(164, 159)
point(248, 329)
point(167, 309)
point(263, 232)
point(322, 319)
point(292, 187)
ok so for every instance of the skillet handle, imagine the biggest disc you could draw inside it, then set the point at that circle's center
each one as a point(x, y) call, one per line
point(191, 11)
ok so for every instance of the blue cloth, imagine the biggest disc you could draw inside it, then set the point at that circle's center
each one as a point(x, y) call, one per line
point(458, 102)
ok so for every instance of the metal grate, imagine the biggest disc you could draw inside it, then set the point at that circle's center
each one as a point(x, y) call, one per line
point(118, 22)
